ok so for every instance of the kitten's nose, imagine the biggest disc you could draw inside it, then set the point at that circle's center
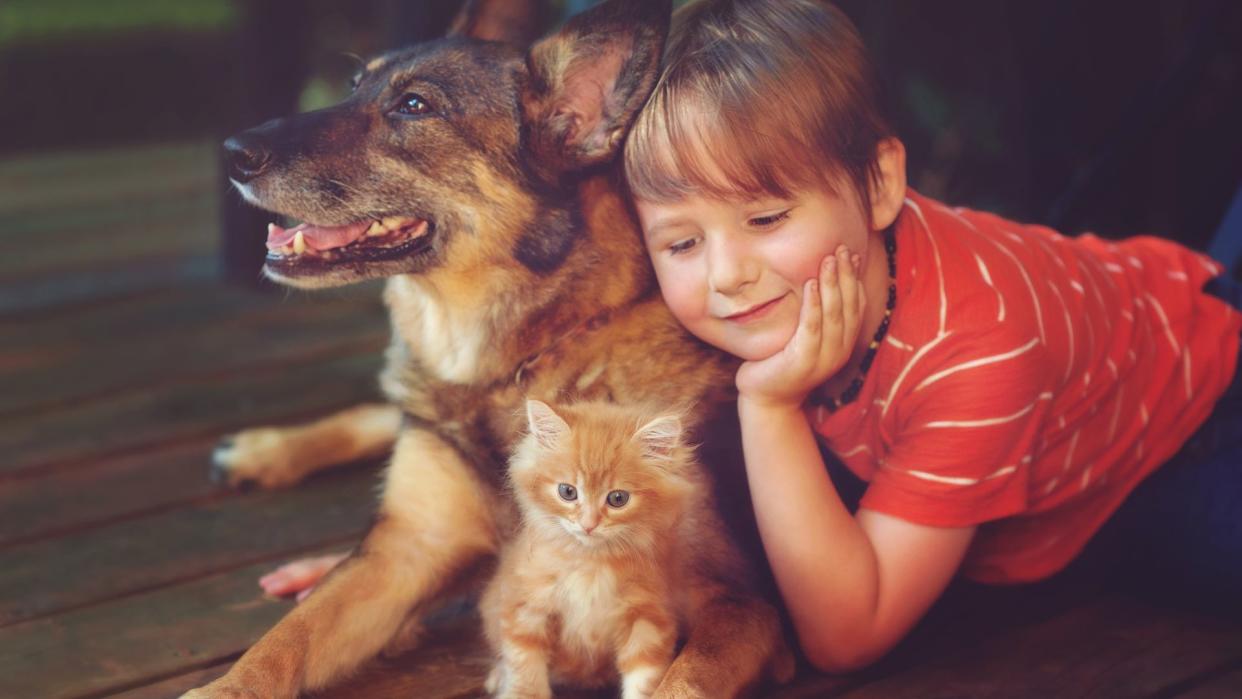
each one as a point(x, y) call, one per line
point(589, 525)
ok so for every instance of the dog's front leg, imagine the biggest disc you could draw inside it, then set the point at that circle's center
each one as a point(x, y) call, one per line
point(436, 518)
point(275, 457)
point(736, 640)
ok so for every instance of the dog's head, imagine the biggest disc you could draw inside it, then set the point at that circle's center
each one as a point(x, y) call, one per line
point(458, 153)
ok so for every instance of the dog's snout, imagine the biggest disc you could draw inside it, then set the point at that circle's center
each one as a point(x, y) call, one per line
point(247, 159)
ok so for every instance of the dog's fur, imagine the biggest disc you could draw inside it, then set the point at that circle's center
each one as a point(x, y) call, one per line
point(533, 281)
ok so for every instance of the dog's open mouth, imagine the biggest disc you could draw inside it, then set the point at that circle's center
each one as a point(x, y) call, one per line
point(377, 239)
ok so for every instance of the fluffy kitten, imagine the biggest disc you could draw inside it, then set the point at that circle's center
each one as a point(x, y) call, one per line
point(597, 582)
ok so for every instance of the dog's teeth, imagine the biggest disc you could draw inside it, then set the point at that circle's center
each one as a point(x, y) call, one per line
point(392, 223)
point(376, 228)
point(299, 243)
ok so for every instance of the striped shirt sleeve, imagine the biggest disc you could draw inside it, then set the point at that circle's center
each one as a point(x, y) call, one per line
point(961, 431)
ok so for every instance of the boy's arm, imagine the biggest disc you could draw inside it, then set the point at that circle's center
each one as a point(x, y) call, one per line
point(854, 585)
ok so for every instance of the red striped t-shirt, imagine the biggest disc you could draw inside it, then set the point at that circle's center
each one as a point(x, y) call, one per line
point(1029, 381)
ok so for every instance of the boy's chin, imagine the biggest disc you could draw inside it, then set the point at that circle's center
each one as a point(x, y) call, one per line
point(755, 349)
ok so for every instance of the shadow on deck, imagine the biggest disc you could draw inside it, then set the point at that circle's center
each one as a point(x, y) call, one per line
point(124, 572)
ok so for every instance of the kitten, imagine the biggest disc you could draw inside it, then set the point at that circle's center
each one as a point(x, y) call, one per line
point(594, 586)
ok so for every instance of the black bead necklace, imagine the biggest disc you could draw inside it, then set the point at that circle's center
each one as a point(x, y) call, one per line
point(851, 392)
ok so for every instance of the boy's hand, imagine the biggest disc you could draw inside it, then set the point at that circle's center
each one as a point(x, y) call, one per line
point(828, 325)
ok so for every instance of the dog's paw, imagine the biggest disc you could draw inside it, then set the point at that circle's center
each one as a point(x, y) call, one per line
point(679, 688)
point(260, 456)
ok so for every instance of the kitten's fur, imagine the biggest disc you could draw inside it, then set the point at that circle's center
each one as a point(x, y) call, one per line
point(586, 591)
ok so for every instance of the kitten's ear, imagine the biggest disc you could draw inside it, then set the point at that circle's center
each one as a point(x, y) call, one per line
point(660, 439)
point(588, 80)
point(546, 426)
point(511, 21)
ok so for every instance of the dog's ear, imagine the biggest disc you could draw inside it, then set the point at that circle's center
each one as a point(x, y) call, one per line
point(517, 22)
point(588, 80)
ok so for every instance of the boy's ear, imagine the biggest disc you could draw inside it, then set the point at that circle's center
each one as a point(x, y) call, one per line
point(547, 427)
point(588, 80)
point(888, 193)
point(515, 22)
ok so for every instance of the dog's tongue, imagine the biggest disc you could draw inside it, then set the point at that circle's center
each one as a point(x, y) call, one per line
point(317, 237)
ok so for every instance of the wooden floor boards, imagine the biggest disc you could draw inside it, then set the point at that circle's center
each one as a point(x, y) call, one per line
point(125, 573)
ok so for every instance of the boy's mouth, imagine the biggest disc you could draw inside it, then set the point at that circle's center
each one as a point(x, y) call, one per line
point(755, 312)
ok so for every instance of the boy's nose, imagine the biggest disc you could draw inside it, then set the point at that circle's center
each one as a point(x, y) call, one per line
point(730, 269)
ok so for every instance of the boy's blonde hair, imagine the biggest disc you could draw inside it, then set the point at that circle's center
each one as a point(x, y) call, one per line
point(757, 97)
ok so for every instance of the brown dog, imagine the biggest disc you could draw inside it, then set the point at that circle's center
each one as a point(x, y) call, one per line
point(478, 180)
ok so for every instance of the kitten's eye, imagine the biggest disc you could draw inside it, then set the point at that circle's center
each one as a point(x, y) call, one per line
point(567, 492)
point(618, 498)
point(412, 104)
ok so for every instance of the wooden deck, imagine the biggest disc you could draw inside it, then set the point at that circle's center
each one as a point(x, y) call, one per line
point(124, 572)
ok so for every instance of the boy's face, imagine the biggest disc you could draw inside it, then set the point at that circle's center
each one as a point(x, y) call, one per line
point(733, 271)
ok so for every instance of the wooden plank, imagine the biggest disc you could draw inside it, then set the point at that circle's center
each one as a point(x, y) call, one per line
point(452, 661)
point(126, 486)
point(87, 178)
point(22, 299)
point(1225, 684)
point(194, 331)
point(174, 686)
point(130, 484)
point(1114, 648)
point(174, 308)
point(135, 640)
point(35, 245)
point(102, 563)
point(966, 615)
point(208, 406)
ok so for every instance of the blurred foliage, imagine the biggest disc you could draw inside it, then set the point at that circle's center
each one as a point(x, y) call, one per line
point(50, 20)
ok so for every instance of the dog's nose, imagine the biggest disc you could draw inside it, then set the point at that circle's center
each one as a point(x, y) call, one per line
point(246, 158)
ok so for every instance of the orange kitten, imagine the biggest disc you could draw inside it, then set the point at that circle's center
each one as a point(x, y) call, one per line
point(593, 586)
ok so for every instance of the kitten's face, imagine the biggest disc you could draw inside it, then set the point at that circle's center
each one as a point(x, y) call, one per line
point(603, 481)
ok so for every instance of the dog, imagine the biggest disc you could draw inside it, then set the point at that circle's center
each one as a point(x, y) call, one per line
point(478, 178)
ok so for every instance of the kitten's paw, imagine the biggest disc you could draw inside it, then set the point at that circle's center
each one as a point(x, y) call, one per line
point(495, 679)
point(299, 577)
point(515, 690)
point(261, 456)
point(640, 683)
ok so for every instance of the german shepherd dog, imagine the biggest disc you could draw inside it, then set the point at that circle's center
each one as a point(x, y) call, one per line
point(479, 179)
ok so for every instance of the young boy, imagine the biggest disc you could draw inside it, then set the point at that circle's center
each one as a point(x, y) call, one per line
point(1003, 389)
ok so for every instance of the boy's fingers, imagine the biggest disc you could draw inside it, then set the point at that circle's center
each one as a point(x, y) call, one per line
point(829, 291)
point(810, 319)
point(850, 289)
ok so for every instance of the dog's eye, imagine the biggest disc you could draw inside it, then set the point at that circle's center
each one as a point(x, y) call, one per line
point(412, 104)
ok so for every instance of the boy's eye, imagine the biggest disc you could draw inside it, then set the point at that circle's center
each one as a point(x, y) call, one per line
point(765, 221)
point(682, 246)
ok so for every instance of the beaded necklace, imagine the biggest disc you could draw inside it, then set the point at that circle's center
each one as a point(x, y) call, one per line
point(832, 403)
